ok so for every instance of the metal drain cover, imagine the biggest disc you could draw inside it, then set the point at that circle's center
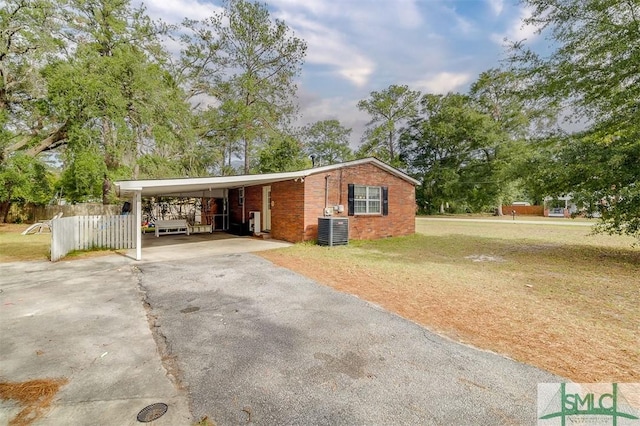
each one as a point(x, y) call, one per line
point(152, 412)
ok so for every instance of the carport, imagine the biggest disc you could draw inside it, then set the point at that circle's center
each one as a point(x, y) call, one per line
point(204, 187)
point(373, 199)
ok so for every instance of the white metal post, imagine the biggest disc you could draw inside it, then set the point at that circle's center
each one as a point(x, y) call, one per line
point(138, 226)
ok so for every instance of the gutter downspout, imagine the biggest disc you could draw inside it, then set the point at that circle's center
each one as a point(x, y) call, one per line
point(137, 199)
point(244, 198)
point(326, 191)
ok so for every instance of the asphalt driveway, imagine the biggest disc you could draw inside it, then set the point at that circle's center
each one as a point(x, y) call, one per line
point(257, 344)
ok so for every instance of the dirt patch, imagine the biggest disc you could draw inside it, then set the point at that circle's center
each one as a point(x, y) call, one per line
point(35, 396)
point(484, 258)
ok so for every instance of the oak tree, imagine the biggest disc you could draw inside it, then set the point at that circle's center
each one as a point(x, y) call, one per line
point(593, 71)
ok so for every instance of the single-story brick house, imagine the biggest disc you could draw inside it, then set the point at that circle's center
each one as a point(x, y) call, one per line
point(378, 199)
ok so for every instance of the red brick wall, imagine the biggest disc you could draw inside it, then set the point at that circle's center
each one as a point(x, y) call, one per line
point(235, 210)
point(252, 202)
point(287, 215)
point(402, 203)
point(297, 205)
point(287, 211)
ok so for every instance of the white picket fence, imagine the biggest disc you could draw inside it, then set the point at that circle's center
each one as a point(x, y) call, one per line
point(87, 232)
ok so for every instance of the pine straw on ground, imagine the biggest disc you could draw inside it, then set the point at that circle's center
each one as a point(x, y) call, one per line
point(569, 310)
point(35, 396)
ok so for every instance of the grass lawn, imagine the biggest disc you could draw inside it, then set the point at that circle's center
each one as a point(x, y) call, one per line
point(549, 295)
point(15, 247)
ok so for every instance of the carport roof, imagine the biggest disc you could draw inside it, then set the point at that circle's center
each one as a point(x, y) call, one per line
point(196, 187)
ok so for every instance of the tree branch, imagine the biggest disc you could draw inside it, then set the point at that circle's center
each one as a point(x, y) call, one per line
point(52, 141)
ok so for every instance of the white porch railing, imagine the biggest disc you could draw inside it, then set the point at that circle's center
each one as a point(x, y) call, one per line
point(87, 232)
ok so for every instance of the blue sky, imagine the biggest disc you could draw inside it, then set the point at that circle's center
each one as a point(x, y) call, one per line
point(358, 46)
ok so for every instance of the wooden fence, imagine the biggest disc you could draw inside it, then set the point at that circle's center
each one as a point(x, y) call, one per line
point(523, 210)
point(87, 232)
point(32, 213)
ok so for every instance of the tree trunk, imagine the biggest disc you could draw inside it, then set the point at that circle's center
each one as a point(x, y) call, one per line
point(246, 156)
point(5, 206)
point(106, 189)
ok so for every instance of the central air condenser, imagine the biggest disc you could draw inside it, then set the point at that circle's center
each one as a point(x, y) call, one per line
point(333, 231)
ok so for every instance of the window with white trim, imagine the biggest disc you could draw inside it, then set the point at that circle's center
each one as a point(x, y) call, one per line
point(367, 199)
point(241, 196)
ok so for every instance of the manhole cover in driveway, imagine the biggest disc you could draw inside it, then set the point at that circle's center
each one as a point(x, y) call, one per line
point(152, 412)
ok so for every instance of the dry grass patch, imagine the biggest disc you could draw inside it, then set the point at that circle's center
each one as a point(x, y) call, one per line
point(547, 297)
point(35, 396)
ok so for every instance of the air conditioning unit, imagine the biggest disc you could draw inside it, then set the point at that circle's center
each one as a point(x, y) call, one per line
point(333, 231)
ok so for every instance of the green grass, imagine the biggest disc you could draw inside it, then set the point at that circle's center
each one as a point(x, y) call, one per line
point(15, 247)
point(507, 229)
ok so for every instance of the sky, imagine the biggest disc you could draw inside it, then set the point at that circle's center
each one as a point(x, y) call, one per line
point(355, 47)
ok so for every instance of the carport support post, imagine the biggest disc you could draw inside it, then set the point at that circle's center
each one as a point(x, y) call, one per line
point(138, 215)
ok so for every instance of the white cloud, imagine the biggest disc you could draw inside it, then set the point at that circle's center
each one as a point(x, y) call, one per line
point(408, 13)
point(174, 11)
point(497, 6)
point(355, 46)
point(315, 108)
point(316, 7)
point(517, 30)
point(442, 82)
point(327, 46)
point(403, 13)
point(461, 24)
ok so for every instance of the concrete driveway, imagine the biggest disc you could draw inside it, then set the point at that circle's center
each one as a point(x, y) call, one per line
point(257, 344)
point(83, 321)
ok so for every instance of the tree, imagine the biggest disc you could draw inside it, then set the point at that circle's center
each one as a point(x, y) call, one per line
point(23, 179)
point(495, 94)
point(29, 31)
point(116, 97)
point(248, 62)
point(446, 149)
point(594, 72)
point(282, 154)
point(82, 178)
point(328, 142)
point(388, 109)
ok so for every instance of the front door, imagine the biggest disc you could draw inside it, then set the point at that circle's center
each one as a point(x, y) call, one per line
point(266, 208)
